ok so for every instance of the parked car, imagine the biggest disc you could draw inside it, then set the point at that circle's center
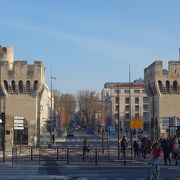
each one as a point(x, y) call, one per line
point(90, 131)
point(70, 133)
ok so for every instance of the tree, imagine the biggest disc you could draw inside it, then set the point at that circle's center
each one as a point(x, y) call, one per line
point(67, 108)
point(89, 105)
point(57, 96)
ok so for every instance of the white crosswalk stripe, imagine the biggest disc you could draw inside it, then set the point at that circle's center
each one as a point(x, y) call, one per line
point(104, 178)
point(19, 170)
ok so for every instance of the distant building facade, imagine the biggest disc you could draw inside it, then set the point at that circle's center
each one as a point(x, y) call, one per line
point(133, 103)
point(24, 97)
point(163, 88)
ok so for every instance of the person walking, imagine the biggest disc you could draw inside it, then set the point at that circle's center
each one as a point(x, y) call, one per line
point(175, 150)
point(139, 148)
point(85, 145)
point(156, 155)
point(136, 149)
point(124, 146)
point(166, 147)
point(34, 140)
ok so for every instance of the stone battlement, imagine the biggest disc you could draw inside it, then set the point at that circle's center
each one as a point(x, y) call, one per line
point(156, 70)
point(16, 74)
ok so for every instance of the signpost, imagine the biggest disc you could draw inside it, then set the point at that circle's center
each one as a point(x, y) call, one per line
point(18, 123)
point(3, 118)
point(136, 123)
point(19, 126)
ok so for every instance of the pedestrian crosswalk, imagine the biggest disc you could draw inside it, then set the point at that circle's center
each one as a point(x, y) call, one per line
point(104, 178)
point(29, 171)
point(18, 170)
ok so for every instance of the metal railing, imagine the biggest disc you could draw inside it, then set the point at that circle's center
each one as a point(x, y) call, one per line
point(68, 154)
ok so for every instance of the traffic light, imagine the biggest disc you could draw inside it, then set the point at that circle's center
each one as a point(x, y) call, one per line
point(3, 131)
point(3, 118)
point(178, 131)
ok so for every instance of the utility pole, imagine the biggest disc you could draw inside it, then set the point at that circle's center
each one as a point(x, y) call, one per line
point(118, 124)
point(52, 78)
point(130, 115)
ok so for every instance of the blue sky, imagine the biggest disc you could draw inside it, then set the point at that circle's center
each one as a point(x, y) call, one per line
point(85, 43)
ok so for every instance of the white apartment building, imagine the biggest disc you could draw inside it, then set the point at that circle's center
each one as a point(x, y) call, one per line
point(133, 103)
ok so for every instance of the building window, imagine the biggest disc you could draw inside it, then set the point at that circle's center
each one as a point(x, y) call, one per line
point(167, 86)
point(126, 115)
point(36, 85)
point(117, 100)
point(28, 86)
point(160, 85)
point(126, 107)
point(107, 93)
point(175, 85)
point(20, 87)
point(145, 100)
point(136, 100)
point(136, 107)
point(136, 115)
point(145, 115)
point(137, 91)
point(145, 107)
point(126, 100)
point(13, 86)
point(126, 91)
point(117, 91)
point(6, 85)
point(116, 107)
point(116, 116)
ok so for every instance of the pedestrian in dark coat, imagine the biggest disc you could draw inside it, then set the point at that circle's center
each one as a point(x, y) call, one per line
point(166, 147)
point(136, 149)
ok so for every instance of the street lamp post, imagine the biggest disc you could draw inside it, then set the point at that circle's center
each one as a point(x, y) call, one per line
point(118, 125)
point(52, 78)
point(130, 110)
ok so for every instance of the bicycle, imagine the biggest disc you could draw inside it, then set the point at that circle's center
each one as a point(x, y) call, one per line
point(154, 172)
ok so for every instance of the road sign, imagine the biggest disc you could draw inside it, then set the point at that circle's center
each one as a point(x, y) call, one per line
point(18, 128)
point(18, 123)
point(136, 123)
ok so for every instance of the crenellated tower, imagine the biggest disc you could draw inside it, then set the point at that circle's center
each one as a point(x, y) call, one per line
point(21, 87)
point(163, 88)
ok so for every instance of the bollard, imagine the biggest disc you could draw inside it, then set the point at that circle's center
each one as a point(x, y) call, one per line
point(83, 153)
point(16, 154)
point(108, 154)
point(102, 141)
point(4, 154)
point(67, 156)
point(57, 153)
point(39, 155)
point(124, 155)
point(12, 155)
point(96, 157)
point(31, 153)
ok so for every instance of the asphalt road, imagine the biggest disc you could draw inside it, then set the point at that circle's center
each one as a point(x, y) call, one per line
point(93, 139)
point(84, 170)
point(127, 173)
point(53, 170)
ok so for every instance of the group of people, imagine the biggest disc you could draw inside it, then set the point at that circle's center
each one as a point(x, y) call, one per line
point(168, 148)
